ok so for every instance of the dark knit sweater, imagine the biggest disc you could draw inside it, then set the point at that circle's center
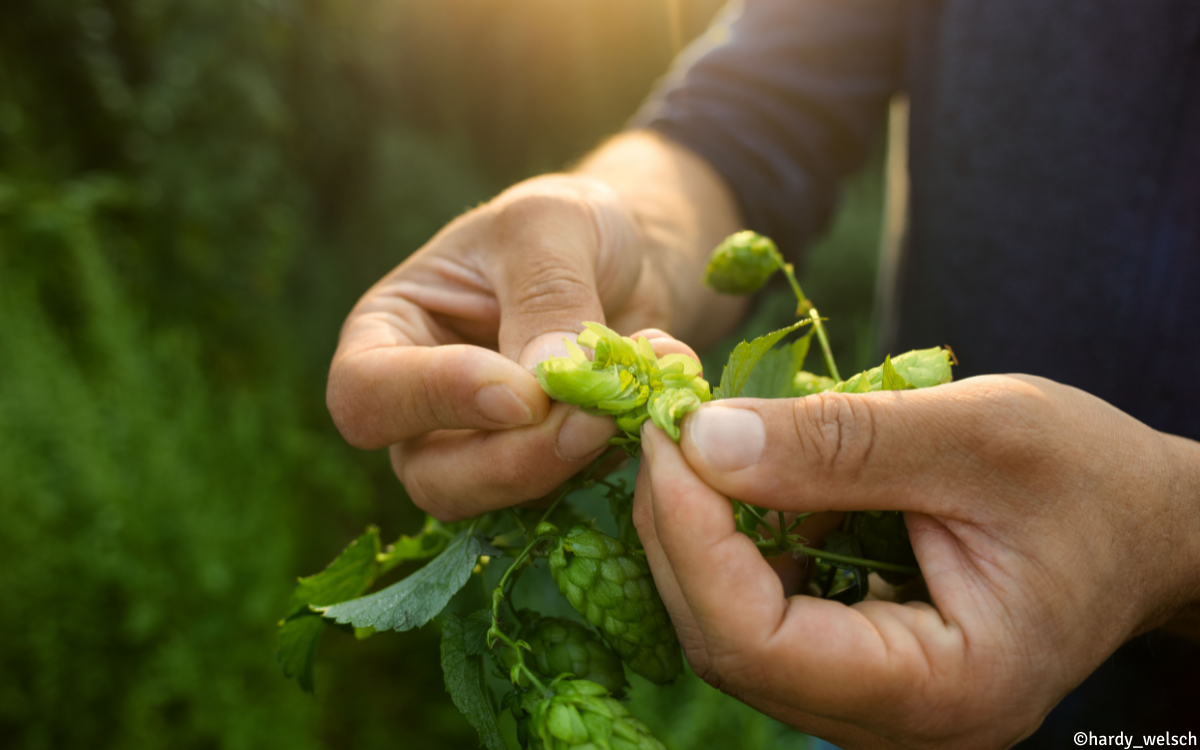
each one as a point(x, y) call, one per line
point(1054, 223)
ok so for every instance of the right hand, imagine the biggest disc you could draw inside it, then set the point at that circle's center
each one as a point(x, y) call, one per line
point(436, 359)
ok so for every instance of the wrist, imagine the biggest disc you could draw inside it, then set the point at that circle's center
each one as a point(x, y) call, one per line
point(681, 209)
point(1178, 608)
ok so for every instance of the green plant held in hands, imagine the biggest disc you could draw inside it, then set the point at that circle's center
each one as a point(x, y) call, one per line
point(625, 380)
point(567, 676)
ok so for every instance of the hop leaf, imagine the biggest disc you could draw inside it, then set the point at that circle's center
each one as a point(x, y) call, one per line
point(613, 589)
point(625, 380)
point(742, 263)
point(580, 714)
point(559, 646)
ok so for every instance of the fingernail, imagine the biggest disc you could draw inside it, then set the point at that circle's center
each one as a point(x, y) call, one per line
point(727, 439)
point(498, 403)
point(544, 347)
point(583, 434)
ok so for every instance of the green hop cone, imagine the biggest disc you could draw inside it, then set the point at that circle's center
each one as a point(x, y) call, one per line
point(559, 646)
point(625, 380)
point(742, 263)
point(612, 588)
point(922, 368)
point(806, 384)
point(581, 715)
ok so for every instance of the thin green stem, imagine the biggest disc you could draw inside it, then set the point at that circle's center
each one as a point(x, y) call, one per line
point(495, 633)
point(783, 540)
point(848, 521)
point(763, 521)
point(858, 561)
point(799, 519)
point(829, 363)
point(805, 306)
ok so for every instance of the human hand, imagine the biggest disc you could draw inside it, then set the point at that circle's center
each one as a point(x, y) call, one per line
point(434, 360)
point(1050, 528)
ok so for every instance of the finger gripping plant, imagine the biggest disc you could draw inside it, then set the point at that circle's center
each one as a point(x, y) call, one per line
point(567, 676)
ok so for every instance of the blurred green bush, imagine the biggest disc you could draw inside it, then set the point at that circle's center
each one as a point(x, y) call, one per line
point(192, 195)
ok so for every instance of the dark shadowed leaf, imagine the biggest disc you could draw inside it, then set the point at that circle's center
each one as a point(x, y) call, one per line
point(465, 680)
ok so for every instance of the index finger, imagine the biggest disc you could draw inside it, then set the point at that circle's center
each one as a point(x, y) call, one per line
point(390, 380)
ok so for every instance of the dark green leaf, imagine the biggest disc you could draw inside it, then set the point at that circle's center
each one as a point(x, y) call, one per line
point(417, 599)
point(297, 648)
point(776, 372)
point(465, 682)
point(884, 537)
point(892, 380)
point(346, 577)
point(847, 544)
point(744, 358)
point(475, 631)
point(620, 504)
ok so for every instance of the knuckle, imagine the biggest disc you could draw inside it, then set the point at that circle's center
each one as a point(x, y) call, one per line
point(835, 432)
point(1008, 427)
point(422, 495)
point(348, 410)
point(548, 285)
point(513, 480)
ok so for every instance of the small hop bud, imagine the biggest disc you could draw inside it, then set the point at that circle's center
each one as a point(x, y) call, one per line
point(742, 263)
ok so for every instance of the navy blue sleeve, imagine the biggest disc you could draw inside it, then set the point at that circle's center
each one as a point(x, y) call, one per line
point(783, 98)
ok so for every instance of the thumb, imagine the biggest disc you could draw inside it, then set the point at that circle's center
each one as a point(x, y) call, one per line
point(562, 251)
point(895, 450)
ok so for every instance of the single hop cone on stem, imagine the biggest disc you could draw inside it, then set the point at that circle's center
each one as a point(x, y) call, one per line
point(742, 264)
point(581, 715)
point(612, 588)
point(559, 646)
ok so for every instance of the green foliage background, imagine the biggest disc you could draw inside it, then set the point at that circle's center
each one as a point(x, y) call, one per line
point(192, 195)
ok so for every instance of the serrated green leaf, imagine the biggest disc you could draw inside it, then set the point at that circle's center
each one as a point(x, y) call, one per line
point(346, 577)
point(418, 598)
point(475, 629)
point(892, 380)
point(297, 648)
point(301, 629)
point(464, 676)
point(432, 540)
point(776, 372)
point(745, 357)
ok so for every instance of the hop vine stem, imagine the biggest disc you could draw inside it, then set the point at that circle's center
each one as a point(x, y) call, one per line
point(803, 305)
point(495, 632)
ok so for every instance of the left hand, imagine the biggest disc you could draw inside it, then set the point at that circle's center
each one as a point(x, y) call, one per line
point(1050, 528)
